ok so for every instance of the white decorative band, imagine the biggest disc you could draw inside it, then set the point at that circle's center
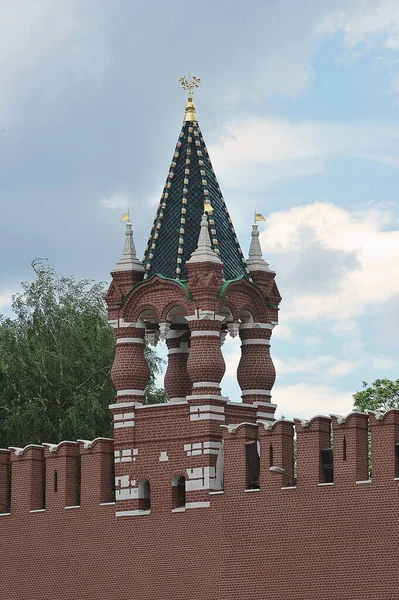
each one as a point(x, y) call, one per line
point(198, 504)
point(205, 332)
point(263, 415)
point(256, 341)
point(177, 400)
point(113, 323)
point(131, 513)
point(130, 393)
point(256, 326)
point(206, 408)
point(122, 405)
point(130, 341)
point(179, 350)
point(256, 392)
point(119, 424)
point(223, 399)
point(207, 384)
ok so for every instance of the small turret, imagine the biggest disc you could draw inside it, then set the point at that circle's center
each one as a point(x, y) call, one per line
point(255, 260)
point(129, 260)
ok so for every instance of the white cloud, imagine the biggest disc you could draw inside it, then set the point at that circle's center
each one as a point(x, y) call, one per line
point(283, 332)
point(116, 202)
point(363, 21)
point(323, 367)
point(305, 400)
point(263, 150)
point(5, 300)
point(360, 266)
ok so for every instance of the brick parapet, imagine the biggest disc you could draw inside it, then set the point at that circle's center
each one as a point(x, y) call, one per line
point(27, 481)
point(97, 470)
point(350, 439)
point(312, 437)
point(62, 474)
point(384, 437)
point(277, 449)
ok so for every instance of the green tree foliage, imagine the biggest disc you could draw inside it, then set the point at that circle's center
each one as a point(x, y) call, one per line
point(382, 395)
point(55, 362)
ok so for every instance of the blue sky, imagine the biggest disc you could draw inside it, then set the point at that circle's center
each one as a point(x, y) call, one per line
point(299, 108)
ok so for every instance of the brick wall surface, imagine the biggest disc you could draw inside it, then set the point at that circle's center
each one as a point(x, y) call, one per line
point(308, 541)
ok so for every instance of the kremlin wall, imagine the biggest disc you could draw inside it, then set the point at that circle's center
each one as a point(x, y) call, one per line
point(202, 497)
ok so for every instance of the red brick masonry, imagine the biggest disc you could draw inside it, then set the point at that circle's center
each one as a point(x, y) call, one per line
point(311, 541)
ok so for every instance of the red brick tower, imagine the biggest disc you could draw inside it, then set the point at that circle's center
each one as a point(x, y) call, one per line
point(192, 289)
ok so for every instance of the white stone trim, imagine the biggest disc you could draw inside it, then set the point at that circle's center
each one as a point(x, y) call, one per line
point(130, 393)
point(5, 514)
point(123, 405)
point(107, 503)
point(198, 384)
point(266, 405)
point(163, 457)
point(209, 397)
point(179, 351)
point(131, 513)
point(113, 323)
point(179, 509)
point(205, 315)
point(264, 416)
point(198, 504)
point(258, 341)
point(137, 324)
point(206, 407)
point(256, 392)
point(365, 481)
point(124, 424)
point(205, 416)
point(175, 401)
point(325, 484)
point(210, 332)
point(129, 340)
point(39, 510)
point(252, 490)
point(217, 492)
point(74, 506)
point(124, 420)
point(256, 325)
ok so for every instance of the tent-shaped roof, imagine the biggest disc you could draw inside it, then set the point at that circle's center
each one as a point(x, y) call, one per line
point(191, 185)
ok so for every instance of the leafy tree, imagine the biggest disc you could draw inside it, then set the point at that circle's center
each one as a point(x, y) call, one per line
point(55, 362)
point(382, 395)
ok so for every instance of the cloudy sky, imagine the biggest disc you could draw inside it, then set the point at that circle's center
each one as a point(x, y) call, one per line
point(299, 107)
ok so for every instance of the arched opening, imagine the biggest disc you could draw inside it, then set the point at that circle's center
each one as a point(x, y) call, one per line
point(155, 354)
point(230, 343)
point(178, 492)
point(144, 495)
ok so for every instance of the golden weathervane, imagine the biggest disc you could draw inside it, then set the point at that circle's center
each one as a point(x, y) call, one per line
point(190, 84)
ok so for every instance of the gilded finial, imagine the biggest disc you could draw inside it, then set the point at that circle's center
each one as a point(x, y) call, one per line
point(189, 85)
point(208, 207)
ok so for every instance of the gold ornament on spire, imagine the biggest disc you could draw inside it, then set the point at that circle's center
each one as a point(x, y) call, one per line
point(189, 85)
point(208, 207)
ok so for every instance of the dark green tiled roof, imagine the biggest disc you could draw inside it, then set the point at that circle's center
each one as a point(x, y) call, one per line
point(174, 235)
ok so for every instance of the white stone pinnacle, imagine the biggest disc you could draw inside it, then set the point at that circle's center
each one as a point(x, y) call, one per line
point(129, 260)
point(204, 252)
point(255, 261)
